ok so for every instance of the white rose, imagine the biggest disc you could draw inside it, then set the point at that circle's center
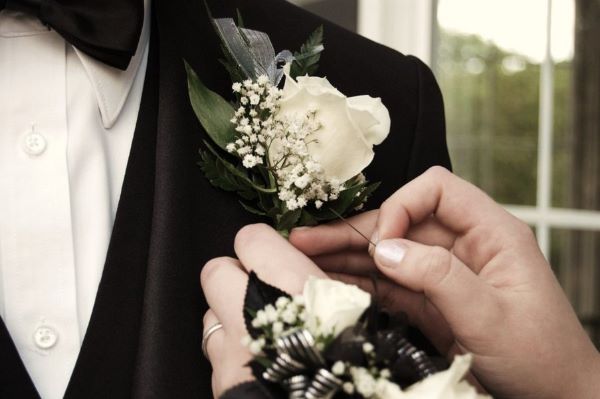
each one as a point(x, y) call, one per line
point(448, 384)
point(332, 306)
point(350, 126)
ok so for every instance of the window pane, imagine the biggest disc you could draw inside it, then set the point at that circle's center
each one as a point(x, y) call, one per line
point(574, 258)
point(488, 66)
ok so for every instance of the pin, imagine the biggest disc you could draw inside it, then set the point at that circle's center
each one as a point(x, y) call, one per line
point(352, 227)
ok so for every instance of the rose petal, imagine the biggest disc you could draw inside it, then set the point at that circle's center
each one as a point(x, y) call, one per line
point(375, 132)
point(332, 306)
point(340, 148)
point(317, 86)
point(446, 384)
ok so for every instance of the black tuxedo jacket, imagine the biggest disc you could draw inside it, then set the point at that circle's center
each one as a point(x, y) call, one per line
point(143, 339)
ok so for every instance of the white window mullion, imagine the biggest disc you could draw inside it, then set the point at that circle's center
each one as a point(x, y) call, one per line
point(546, 119)
point(404, 25)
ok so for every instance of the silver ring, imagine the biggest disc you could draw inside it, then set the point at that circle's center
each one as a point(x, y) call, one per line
point(210, 331)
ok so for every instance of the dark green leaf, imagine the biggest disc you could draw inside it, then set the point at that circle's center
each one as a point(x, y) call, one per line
point(306, 219)
point(240, 174)
point(307, 59)
point(240, 19)
point(252, 209)
point(212, 110)
point(365, 194)
point(288, 220)
point(342, 205)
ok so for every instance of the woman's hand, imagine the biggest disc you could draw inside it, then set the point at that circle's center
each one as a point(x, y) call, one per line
point(472, 278)
point(224, 281)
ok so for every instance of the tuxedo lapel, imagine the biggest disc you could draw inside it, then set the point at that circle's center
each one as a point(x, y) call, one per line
point(105, 364)
point(14, 380)
point(192, 223)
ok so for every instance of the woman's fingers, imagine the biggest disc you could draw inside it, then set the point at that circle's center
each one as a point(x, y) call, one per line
point(431, 232)
point(224, 285)
point(336, 236)
point(359, 263)
point(456, 203)
point(463, 300)
point(263, 250)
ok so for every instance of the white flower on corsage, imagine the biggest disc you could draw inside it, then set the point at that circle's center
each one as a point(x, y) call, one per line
point(332, 306)
point(349, 126)
point(448, 384)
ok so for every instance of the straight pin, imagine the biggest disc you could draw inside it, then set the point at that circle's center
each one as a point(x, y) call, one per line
point(352, 227)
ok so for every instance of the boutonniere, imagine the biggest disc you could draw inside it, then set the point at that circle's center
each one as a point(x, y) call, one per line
point(331, 342)
point(290, 144)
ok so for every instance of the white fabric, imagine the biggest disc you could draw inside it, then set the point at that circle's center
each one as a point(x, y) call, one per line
point(66, 127)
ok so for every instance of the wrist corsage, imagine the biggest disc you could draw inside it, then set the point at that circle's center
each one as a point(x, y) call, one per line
point(291, 145)
point(331, 342)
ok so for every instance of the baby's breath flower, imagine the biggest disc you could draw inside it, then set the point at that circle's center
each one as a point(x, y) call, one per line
point(364, 382)
point(263, 80)
point(237, 87)
point(277, 328)
point(348, 388)
point(339, 368)
point(255, 347)
point(260, 319)
point(254, 99)
point(282, 302)
point(289, 316)
point(368, 347)
point(271, 313)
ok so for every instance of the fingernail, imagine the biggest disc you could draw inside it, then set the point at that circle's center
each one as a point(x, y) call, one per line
point(390, 253)
point(374, 239)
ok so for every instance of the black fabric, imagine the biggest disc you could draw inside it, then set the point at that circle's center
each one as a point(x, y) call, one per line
point(248, 390)
point(145, 333)
point(108, 30)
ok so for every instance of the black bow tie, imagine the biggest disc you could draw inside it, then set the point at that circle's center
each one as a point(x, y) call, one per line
point(108, 30)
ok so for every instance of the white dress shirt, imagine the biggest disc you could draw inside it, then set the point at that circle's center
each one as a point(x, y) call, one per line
point(66, 127)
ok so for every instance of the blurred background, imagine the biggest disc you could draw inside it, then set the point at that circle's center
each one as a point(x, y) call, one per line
point(521, 85)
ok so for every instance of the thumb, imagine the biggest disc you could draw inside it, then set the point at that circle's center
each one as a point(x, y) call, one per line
point(465, 301)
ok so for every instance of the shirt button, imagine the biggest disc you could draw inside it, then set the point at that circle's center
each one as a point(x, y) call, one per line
point(45, 337)
point(34, 144)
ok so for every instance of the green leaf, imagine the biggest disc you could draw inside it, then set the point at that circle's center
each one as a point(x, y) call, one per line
point(288, 220)
point(367, 191)
point(306, 61)
point(216, 174)
point(342, 205)
point(306, 219)
point(240, 19)
point(252, 210)
point(239, 174)
point(212, 110)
